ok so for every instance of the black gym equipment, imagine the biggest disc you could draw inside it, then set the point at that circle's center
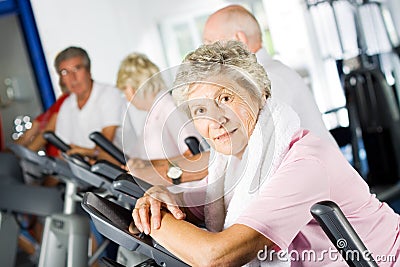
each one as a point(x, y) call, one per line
point(343, 236)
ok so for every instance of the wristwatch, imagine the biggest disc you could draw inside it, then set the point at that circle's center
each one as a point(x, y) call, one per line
point(174, 173)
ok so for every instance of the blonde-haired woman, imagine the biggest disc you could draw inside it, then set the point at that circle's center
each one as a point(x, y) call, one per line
point(161, 131)
point(138, 70)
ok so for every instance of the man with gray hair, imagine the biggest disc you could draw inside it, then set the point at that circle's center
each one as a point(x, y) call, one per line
point(234, 22)
point(91, 106)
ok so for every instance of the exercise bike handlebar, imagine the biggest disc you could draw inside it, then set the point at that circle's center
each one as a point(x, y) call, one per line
point(53, 139)
point(113, 220)
point(108, 146)
point(97, 137)
point(343, 236)
point(130, 185)
point(193, 144)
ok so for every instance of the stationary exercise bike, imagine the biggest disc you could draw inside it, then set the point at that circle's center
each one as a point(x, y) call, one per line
point(102, 176)
point(16, 197)
point(113, 222)
point(66, 235)
point(132, 188)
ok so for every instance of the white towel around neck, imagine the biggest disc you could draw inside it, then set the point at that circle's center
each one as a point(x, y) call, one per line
point(267, 146)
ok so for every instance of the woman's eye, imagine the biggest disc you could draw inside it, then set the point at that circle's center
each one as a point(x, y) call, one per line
point(199, 111)
point(226, 98)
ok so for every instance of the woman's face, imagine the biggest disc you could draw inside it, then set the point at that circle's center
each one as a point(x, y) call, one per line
point(129, 92)
point(225, 114)
point(141, 103)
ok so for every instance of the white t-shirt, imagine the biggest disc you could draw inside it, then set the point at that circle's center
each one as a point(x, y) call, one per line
point(163, 132)
point(103, 109)
point(289, 87)
point(127, 136)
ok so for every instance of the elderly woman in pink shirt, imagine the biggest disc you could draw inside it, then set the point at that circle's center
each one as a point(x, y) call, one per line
point(265, 173)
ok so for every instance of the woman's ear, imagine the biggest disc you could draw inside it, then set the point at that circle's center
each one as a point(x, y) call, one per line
point(263, 101)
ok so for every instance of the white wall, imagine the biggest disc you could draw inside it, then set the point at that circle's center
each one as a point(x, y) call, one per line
point(108, 30)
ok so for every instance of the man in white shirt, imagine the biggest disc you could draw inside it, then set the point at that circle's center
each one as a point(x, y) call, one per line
point(234, 22)
point(90, 107)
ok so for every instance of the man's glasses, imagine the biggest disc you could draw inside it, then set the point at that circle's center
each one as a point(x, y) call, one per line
point(77, 68)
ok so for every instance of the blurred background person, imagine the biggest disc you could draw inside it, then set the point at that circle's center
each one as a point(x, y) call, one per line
point(162, 128)
point(91, 106)
point(234, 22)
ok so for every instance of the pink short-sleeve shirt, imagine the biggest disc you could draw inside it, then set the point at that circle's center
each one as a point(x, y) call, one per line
point(313, 171)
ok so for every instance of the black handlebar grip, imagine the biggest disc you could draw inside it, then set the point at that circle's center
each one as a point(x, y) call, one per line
point(193, 144)
point(108, 146)
point(343, 236)
point(53, 139)
point(130, 185)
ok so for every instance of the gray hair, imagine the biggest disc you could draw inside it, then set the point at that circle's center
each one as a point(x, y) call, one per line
point(67, 53)
point(230, 59)
point(71, 52)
